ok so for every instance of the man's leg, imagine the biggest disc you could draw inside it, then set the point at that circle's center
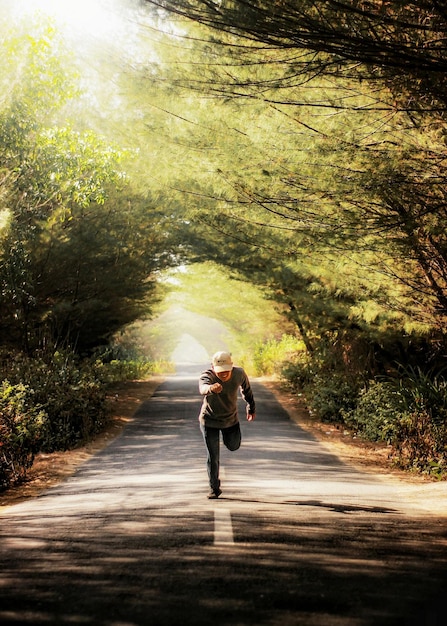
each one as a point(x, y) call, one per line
point(211, 437)
point(232, 437)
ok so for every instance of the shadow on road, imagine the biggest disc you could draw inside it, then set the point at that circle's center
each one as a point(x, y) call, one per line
point(129, 539)
point(338, 508)
point(152, 567)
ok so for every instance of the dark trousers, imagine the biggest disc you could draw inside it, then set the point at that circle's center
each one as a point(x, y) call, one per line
point(232, 439)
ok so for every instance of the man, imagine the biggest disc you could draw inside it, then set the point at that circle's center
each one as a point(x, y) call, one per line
point(219, 386)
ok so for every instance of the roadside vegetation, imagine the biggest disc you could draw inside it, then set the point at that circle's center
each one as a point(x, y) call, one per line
point(334, 200)
point(291, 188)
point(79, 252)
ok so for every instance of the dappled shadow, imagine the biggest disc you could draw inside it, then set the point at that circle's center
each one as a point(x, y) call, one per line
point(338, 507)
point(160, 454)
point(345, 508)
point(158, 568)
point(128, 539)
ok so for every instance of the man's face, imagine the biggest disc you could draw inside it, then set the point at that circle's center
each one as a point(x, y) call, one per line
point(224, 376)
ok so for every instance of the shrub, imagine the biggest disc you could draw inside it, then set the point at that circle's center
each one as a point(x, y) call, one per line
point(328, 393)
point(71, 395)
point(424, 392)
point(421, 445)
point(377, 413)
point(75, 402)
point(119, 370)
point(299, 372)
point(408, 411)
point(21, 426)
point(270, 356)
point(421, 440)
point(76, 411)
point(329, 397)
point(54, 403)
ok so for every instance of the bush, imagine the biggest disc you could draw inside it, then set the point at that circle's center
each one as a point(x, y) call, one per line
point(270, 356)
point(424, 392)
point(377, 413)
point(75, 403)
point(331, 396)
point(71, 395)
point(408, 411)
point(54, 403)
point(121, 370)
point(421, 440)
point(21, 427)
point(421, 445)
point(299, 372)
point(76, 411)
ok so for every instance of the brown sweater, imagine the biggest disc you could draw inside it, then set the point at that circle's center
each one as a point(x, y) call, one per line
point(219, 410)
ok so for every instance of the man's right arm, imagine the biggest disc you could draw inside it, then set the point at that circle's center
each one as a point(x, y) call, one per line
point(207, 386)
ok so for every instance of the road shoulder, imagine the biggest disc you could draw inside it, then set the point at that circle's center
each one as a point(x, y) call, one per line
point(50, 469)
point(125, 398)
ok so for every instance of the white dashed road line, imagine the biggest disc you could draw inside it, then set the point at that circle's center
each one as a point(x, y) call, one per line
point(223, 528)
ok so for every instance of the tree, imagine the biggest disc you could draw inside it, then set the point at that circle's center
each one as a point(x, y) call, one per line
point(400, 43)
point(362, 177)
point(79, 248)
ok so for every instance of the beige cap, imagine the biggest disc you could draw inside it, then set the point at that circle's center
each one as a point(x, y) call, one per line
point(222, 362)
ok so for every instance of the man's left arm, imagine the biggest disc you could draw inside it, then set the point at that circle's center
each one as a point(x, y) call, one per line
point(247, 394)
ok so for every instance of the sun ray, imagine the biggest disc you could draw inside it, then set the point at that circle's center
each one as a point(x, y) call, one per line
point(79, 17)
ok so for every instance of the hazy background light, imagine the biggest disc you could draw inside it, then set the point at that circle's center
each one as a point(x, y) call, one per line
point(96, 18)
point(104, 37)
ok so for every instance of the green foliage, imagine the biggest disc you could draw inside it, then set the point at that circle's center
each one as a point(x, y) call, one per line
point(330, 396)
point(378, 413)
point(36, 76)
point(268, 357)
point(242, 307)
point(298, 373)
point(424, 391)
point(71, 396)
point(214, 307)
point(326, 191)
point(75, 408)
point(421, 445)
point(408, 410)
point(79, 250)
point(56, 403)
point(22, 423)
point(118, 370)
point(421, 439)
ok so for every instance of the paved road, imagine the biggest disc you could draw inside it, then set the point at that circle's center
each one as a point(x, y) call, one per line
point(297, 538)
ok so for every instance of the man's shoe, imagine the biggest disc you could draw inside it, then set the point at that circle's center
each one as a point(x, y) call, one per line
point(214, 494)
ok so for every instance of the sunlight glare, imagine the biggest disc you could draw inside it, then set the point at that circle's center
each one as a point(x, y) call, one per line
point(97, 18)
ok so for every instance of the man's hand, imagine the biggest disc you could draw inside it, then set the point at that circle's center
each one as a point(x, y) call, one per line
point(251, 416)
point(216, 387)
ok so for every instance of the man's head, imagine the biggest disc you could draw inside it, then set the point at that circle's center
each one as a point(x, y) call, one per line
point(223, 365)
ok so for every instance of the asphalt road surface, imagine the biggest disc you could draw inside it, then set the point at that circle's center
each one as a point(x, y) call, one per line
point(297, 537)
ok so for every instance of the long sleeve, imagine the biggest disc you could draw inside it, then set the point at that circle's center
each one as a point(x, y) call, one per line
point(247, 394)
point(219, 410)
point(205, 382)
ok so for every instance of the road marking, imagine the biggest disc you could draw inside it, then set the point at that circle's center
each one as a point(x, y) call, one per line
point(223, 528)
